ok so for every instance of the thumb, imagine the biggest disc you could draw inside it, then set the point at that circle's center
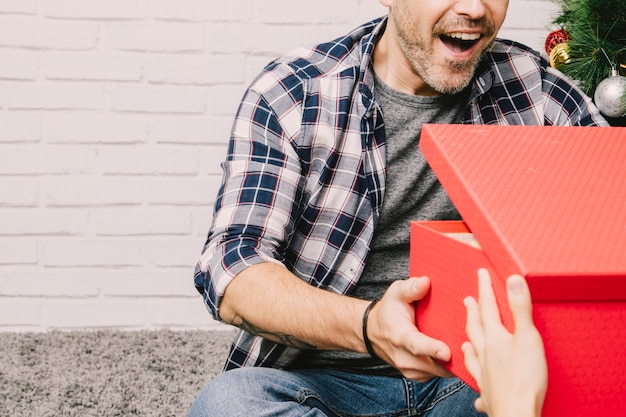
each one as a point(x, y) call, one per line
point(413, 289)
point(520, 301)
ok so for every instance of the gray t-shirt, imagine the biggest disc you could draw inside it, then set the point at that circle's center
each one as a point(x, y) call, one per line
point(412, 192)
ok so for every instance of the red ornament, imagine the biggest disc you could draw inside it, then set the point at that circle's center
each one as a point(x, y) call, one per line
point(555, 38)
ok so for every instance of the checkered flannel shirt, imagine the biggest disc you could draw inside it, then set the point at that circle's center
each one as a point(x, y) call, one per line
point(304, 176)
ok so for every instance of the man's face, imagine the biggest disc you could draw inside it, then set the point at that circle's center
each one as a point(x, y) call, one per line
point(443, 40)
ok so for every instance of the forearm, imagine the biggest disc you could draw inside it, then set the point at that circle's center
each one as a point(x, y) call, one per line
point(269, 301)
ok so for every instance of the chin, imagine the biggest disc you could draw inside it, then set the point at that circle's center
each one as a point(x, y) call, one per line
point(451, 84)
point(453, 77)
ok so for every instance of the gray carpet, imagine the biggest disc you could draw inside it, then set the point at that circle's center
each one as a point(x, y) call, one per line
point(107, 373)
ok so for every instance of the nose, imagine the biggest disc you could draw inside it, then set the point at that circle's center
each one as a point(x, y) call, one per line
point(473, 9)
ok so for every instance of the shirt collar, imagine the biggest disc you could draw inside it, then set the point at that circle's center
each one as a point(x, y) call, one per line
point(366, 69)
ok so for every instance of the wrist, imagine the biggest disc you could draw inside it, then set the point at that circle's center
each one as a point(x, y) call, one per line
point(366, 341)
point(519, 407)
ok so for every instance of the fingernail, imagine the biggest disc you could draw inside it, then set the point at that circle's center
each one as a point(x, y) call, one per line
point(442, 355)
point(515, 284)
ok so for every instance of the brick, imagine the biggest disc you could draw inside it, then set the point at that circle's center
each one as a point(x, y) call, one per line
point(18, 251)
point(97, 9)
point(91, 87)
point(174, 253)
point(254, 64)
point(19, 192)
point(225, 99)
point(190, 130)
point(90, 253)
point(141, 222)
point(19, 6)
point(23, 222)
point(283, 11)
point(238, 37)
point(20, 127)
point(75, 314)
point(36, 96)
point(180, 192)
point(163, 160)
point(212, 158)
point(95, 129)
point(190, 10)
point(180, 313)
point(38, 160)
point(155, 37)
point(159, 100)
point(239, 11)
point(194, 70)
point(310, 35)
point(19, 65)
point(67, 283)
point(368, 10)
point(532, 38)
point(97, 191)
point(202, 218)
point(147, 283)
point(93, 66)
point(17, 312)
point(47, 34)
point(524, 14)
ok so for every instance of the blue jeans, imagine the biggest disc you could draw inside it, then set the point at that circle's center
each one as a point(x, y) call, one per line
point(252, 392)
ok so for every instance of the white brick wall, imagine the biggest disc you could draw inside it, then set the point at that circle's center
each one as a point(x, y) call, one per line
point(114, 117)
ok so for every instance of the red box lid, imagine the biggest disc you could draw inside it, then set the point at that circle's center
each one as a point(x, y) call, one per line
point(545, 202)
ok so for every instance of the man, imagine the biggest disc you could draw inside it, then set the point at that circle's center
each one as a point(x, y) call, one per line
point(323, 174)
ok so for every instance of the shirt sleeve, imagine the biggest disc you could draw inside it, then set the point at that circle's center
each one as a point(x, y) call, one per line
point(260, 191)
point(566, 104)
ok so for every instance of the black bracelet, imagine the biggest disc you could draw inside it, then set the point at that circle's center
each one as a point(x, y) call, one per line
point(366, 340)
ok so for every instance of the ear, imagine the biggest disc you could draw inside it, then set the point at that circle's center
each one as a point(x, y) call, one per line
point(386, 3)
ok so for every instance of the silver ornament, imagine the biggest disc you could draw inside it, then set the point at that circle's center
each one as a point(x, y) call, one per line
point(610, 96)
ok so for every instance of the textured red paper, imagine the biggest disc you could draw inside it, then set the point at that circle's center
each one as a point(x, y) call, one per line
point(547, 203)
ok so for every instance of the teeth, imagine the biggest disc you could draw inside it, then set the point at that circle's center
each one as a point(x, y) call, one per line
point(465, 36)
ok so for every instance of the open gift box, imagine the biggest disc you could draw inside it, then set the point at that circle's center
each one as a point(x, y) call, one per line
point(548, 203)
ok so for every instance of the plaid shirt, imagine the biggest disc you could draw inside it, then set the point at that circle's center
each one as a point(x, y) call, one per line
point(305, 172)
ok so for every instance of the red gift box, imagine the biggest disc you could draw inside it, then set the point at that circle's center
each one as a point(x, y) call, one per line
point(548, 203)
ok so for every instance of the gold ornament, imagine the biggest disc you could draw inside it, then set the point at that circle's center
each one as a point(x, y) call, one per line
point(559, 55)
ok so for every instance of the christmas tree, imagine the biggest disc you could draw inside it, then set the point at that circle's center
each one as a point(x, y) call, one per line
point(591, 46)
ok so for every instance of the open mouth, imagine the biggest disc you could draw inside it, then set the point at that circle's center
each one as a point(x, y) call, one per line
point(460, 41)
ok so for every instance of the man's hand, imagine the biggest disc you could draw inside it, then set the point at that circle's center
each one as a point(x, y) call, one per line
point(510, 369)
point(394, 335)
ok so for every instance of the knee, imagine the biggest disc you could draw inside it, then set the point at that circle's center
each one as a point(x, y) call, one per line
point(236, 392)
point(217, 397)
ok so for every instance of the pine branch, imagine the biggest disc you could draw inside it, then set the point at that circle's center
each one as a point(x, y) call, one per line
point(597, 29)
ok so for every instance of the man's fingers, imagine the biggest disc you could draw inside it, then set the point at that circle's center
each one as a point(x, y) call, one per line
point(427, 346)
point(410, 290)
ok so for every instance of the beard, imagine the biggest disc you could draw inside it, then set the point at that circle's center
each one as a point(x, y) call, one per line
point(454, 75)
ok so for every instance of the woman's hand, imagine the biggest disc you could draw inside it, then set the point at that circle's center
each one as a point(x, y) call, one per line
point(510, 369)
